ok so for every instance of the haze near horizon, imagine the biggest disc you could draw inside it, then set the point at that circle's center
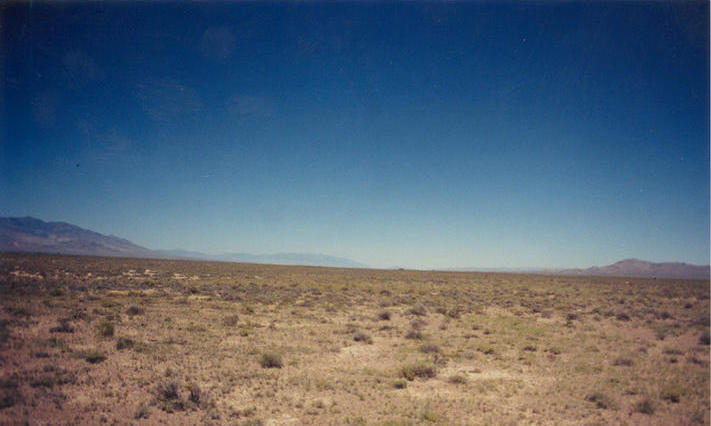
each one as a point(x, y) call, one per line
point(421, 135)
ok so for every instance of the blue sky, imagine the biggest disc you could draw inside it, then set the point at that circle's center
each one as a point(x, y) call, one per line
point(418, 134)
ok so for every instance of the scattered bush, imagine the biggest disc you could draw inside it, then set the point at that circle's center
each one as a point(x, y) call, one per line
point(167, 397)
point(645, 406)
point(458, 379)
point(124, 343)
point(56, 292)
point(195, 394)
point(429, 348)
point(622, 316)
point(414, 334)
point(270, 360)
point(230, 320)
point(705, 338)
point(424, 371)
point(362, 337)
point(400, 384)
point(105, 329)
point(454, 313)
point(141, 412)
point(94, 357)
point(9, 391)
point(63, 327)
point(623, 362)
point(384, 315)
point(5, 332)
point(429, 415)
point(572, 316)
point(108, 303)
point(418, 309)
point(134, 310)
point(18, 311)
point(671, 395)
point(601, 400)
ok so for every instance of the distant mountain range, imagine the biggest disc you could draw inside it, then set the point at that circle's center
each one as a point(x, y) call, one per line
point(640, 268)
point(28, 234)
point(308, 259)
point(624, 268)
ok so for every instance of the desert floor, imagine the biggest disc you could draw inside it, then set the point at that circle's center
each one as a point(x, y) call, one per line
point(132, 341)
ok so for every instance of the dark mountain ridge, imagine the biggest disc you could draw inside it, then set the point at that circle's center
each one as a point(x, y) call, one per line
point(28, 234)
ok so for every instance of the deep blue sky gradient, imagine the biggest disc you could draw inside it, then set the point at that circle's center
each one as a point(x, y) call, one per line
point(411, 134)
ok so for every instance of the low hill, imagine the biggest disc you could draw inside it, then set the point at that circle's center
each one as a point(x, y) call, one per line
point(641, 268)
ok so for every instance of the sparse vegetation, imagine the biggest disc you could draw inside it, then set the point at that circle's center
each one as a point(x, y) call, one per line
point(487, 345)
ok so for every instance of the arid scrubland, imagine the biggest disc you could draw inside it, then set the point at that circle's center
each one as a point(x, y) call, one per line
point(130, 341)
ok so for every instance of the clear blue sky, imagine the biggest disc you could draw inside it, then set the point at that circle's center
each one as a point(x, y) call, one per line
point(418, 134)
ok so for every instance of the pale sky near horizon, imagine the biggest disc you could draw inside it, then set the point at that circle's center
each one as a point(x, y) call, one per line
point(413, 134)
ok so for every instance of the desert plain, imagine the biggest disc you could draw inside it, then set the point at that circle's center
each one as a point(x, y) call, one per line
point(91, 340)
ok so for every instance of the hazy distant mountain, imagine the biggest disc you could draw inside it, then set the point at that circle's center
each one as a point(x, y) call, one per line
point(309, 259)
point(313, 259)
point(640, 268)
point(27, 234)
